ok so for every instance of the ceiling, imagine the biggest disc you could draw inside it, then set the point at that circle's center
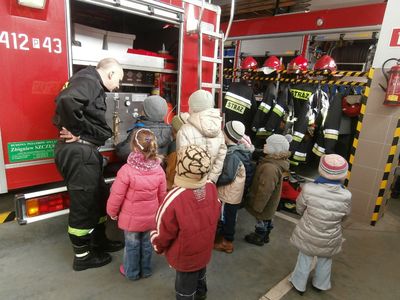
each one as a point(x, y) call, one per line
point(246, 9)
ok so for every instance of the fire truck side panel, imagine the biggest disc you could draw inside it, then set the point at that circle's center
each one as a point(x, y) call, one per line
point(34, 64)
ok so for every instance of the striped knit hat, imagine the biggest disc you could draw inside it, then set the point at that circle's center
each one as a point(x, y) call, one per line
point(333, 167)
point(192, 167)
point(234, 130)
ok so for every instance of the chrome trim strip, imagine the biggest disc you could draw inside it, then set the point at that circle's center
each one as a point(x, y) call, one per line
point(297, 33)
point(180, 66)
point(29, 163)
point(3, 178)
point(69, 37)
point(160, 11)
point(46, 216)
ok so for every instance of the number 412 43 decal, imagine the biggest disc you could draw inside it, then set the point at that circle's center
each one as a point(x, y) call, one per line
point(21, 41)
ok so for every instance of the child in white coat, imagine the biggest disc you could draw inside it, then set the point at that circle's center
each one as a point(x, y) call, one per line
point(323, 204)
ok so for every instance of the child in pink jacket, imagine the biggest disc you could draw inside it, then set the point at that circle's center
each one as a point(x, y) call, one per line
point(136, 194)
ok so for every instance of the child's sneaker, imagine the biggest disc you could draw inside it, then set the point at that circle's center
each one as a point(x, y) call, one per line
point(224, 246)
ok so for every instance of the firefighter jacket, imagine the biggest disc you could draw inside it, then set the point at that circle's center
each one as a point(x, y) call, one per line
point(81, 107)
point(186, 225)
point(300, 98)
point(328, 131)
point(264, 109)
point(240, 104)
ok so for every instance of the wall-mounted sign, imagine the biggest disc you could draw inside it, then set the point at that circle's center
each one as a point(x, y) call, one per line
point(30, 150)
point(395, 39)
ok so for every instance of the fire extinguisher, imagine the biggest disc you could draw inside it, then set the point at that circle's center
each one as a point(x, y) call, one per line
point(392, 96)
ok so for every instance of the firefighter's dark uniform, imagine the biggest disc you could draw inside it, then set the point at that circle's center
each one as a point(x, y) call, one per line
point(81, 108)
point(240, 105)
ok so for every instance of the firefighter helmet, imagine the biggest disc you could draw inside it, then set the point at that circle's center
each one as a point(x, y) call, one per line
point(297, 64)
point(248, 63)
point(273, 62)
point(325, 63)
point(350, 109)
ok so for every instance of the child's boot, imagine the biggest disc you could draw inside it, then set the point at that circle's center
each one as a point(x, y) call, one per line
point(255, 238)
point(224, 246)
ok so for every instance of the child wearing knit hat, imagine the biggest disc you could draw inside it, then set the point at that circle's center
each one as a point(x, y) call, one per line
point(203, 128)
point(234, 180)
point(154, 110)
point(186, 222)
point(323, 205)
point(265, 190)
point(177, 122)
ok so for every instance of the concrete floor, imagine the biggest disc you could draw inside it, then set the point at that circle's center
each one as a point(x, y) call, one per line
point(35, 263)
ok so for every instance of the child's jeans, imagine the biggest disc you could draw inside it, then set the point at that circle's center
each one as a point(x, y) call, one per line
point(322, 276)
point(137, 254)
point(229, 216)
point(190, 284)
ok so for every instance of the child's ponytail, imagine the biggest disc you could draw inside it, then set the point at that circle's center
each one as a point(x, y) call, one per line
point(144, 140)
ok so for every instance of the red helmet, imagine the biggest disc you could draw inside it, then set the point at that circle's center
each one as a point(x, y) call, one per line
point(273, 62)
point(297, 64)
point(248, 63)
point(325, 63)
point(350, 110)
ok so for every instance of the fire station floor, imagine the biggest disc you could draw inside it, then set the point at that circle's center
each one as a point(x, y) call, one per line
point(35, 263)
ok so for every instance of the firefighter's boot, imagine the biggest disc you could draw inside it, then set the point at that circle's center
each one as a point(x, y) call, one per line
point(101, 243)
point(86, 259)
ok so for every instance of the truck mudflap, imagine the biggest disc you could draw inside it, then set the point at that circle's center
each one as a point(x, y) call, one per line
point(44, 204)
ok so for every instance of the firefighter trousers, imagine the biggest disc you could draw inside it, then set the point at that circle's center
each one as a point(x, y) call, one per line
point(81, 166)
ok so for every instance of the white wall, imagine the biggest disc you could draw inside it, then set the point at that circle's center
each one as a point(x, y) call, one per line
point(391, 20)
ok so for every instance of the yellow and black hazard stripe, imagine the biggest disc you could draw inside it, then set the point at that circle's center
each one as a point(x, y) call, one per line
point(295, 80)
point(386, 173)
point(310, 72)
point(364, 99)
point(7, 216)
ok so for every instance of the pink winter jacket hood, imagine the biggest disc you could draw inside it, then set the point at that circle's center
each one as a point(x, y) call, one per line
point(136, 193)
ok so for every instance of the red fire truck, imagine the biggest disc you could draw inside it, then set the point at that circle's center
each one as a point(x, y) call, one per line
point(42, 43)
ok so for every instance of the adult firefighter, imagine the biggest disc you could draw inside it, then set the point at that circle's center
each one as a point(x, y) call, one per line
point(80, 115)
point(239, 102)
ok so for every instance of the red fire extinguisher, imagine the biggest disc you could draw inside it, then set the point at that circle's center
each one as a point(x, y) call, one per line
point(393, 79)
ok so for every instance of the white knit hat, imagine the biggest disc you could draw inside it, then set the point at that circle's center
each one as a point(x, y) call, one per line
point(234, 130)
point(276, 144)
point(333, 166)
point(200, 100)
point(192, 167)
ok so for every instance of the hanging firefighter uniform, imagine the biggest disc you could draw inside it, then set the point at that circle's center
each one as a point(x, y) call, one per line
point(328, 132)
point(240, 105)
point(271, 113)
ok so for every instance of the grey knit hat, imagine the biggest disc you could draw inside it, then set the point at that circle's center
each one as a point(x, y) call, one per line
point(200, 100)
point(276, 144)
point(234, 130)
point(155, 108)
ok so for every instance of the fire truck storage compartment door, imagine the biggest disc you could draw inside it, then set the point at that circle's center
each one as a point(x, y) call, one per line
point(274, 46)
